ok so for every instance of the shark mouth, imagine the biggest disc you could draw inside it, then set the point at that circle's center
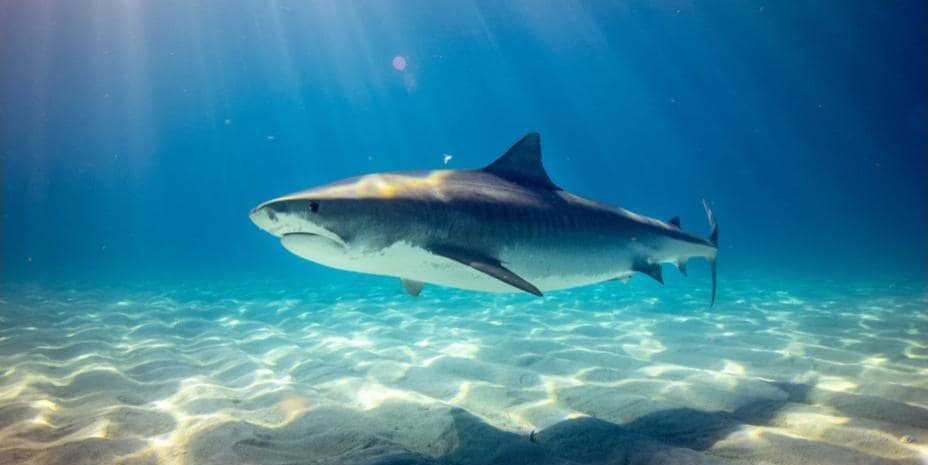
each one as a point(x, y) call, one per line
point(320, 248)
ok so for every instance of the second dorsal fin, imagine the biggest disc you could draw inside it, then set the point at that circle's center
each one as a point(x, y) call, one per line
point(521, 164)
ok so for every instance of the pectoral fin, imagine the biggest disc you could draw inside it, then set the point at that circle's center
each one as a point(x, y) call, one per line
point(412, 287)
point(487, 265)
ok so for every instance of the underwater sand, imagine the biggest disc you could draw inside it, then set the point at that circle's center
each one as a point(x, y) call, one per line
point(777, 373)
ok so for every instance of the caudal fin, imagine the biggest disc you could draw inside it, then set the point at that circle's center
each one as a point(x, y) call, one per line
point(714, 238)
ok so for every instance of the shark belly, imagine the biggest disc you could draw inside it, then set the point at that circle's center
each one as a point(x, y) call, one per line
point(401, 260)
point(548, 269)
point(563, 268)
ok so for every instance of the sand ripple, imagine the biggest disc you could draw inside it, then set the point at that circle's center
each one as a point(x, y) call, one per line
point(776, 374)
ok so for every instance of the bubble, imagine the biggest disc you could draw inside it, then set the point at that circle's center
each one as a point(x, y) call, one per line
point(399, 63)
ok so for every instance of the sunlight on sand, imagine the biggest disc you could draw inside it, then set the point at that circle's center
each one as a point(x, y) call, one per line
point(834, 383)
point(237, 377)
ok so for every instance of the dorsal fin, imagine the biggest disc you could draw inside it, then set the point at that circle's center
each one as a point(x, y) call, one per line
point(675, 221)
point(522, 163)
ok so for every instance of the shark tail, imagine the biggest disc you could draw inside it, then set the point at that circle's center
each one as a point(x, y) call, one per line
point(714, 238)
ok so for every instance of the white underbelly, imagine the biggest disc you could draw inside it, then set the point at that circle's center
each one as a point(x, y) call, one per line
point(546, 270)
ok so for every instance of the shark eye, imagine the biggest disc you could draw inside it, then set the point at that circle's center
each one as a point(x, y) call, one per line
point(314, 206)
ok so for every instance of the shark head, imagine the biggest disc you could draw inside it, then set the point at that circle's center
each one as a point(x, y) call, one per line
point(346, 219)
point(317, 224)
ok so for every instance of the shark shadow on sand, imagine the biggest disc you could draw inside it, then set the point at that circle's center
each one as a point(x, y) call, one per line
point(399, 433)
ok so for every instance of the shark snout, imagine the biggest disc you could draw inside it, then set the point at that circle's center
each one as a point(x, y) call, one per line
point(264, 217)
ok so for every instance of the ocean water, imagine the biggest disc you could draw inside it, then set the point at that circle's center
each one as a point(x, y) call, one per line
point(145, 320)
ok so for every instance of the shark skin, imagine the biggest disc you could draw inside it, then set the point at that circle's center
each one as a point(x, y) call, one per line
point(502, 228)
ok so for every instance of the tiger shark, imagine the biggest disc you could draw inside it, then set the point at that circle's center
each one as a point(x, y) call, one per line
point(505, 227)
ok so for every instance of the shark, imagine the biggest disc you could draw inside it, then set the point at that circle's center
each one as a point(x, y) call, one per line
point(505, 227)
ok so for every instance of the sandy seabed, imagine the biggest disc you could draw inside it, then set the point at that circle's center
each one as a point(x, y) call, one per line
point(776, 373)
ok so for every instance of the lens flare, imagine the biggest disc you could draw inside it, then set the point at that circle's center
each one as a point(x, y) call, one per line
point(399, 63)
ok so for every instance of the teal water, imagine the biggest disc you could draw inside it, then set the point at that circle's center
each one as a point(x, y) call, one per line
point(145, 320)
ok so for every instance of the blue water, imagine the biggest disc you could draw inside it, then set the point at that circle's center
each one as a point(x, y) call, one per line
point(143, 127)
point(136, 136)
